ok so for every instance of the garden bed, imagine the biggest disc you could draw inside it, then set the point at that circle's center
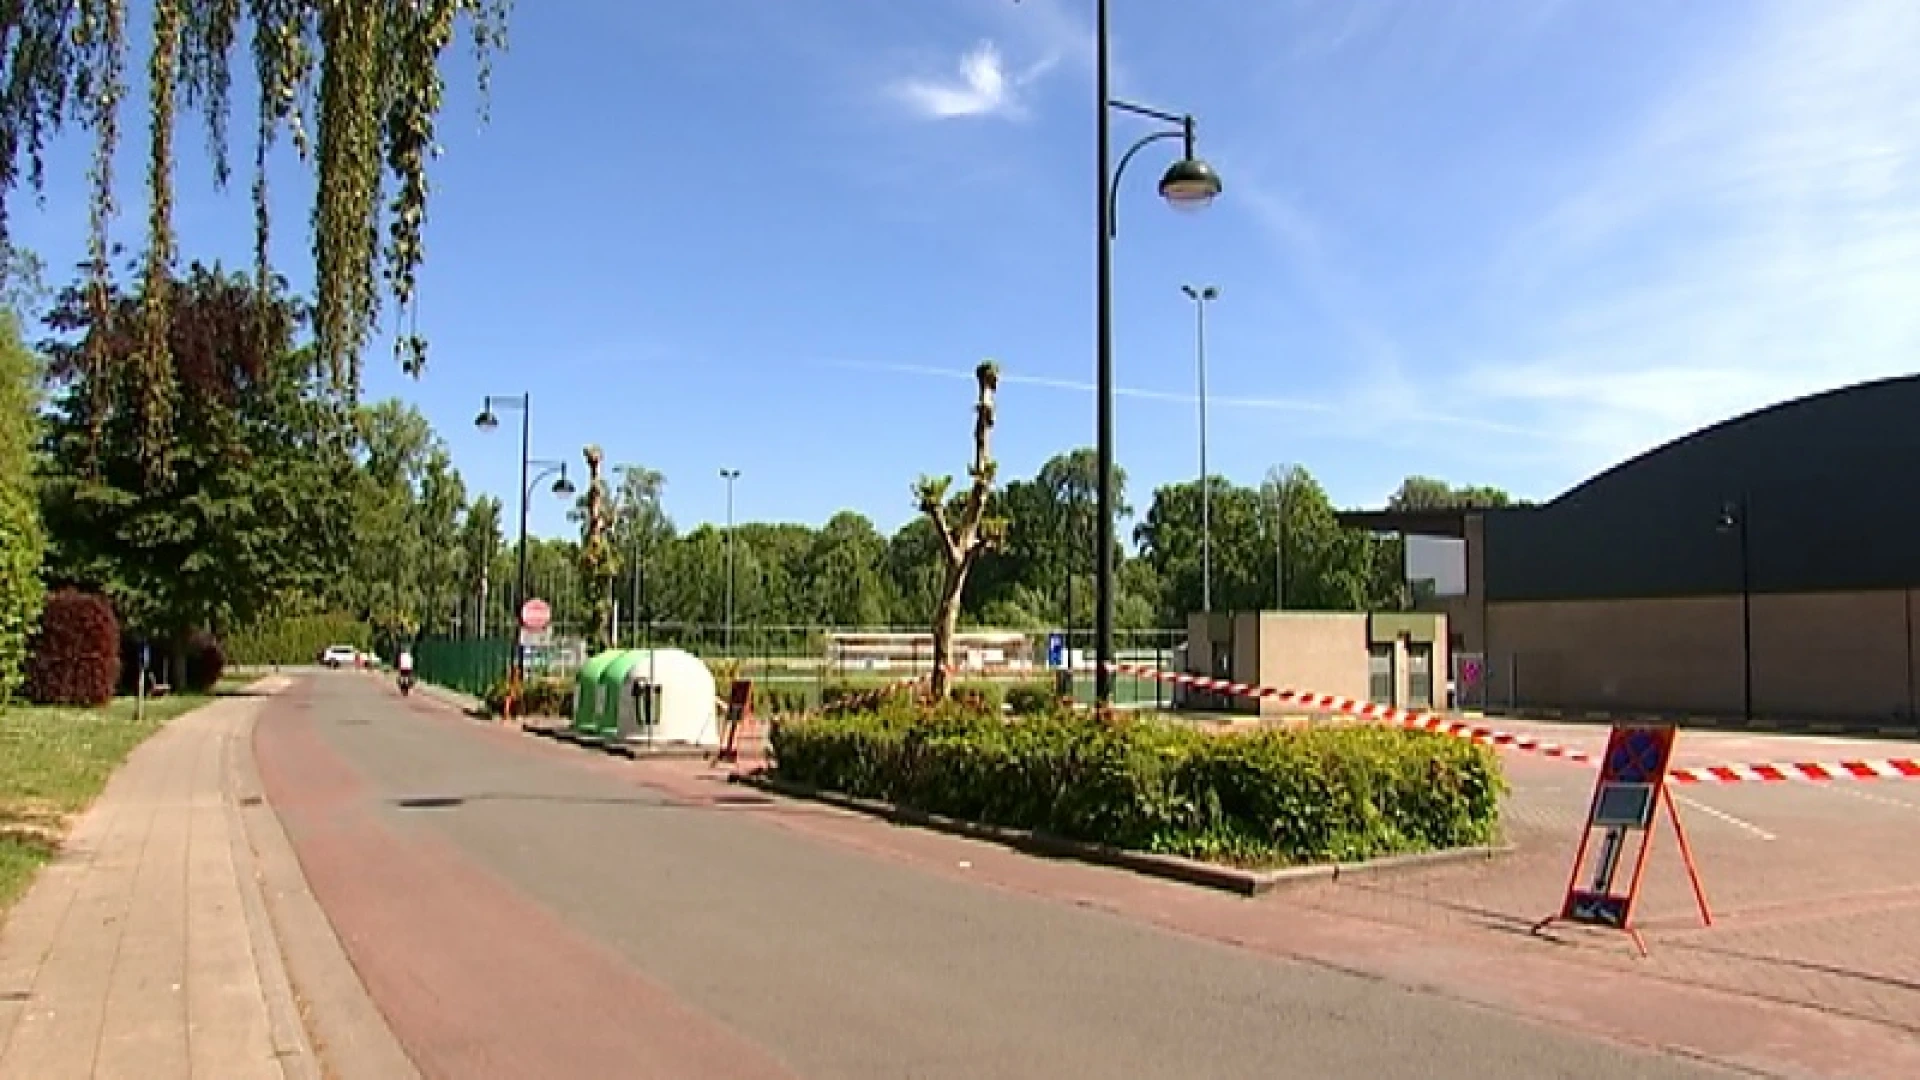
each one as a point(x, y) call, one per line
point(1253, 801)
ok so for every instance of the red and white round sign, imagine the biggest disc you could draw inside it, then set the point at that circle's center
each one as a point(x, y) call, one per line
point(535, 614)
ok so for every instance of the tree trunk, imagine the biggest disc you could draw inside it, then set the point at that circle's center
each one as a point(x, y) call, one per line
point(945, 621)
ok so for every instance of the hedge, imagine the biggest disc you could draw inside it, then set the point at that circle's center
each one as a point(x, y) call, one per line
point(538, 697)
point(295, 639)
point(1261, 798)
point(75, 654)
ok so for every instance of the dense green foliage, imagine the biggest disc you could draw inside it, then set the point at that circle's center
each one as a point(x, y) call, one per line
point(1269, 798)
point(849, 573)
point(295, 639)
point(74, 656)
point(22, 541)
point(249, 504)
point(539, 697)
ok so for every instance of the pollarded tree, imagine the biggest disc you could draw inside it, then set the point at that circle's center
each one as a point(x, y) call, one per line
point(962, 542)
point(362, 75)
point(599, 564)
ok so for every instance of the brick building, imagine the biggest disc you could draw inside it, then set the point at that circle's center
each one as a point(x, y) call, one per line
point(1765, 566)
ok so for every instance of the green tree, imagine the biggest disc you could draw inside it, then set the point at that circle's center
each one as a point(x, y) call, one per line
point(480, 547)
point(1426, 493)
point(844, 569)
point(22, 541)
point(251, 499)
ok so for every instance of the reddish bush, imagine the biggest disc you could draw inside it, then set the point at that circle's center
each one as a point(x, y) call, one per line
point(74, 658)
point(206, 661)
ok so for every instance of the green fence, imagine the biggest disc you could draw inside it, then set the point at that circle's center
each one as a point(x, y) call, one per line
point(469, 666)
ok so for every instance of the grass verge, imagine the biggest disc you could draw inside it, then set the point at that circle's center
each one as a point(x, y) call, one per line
point(55, 761)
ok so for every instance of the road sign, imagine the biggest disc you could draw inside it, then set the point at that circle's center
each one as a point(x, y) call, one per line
point(1468, 670)
point(1056, 650)
point(1627, 794)
point(535, 614)
point(536, 639)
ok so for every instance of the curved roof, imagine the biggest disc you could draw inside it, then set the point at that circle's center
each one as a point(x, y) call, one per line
point(1826, 413)
point(1824, 486)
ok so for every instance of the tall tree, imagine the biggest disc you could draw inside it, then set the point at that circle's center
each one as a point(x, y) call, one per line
point(480, 546)
point(22, 540)
point(251, 499)
point(963, 540)
point(599, 562)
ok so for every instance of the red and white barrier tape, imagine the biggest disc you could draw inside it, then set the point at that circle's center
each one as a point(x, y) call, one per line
point(1367, 710)
point(1759, 772)
point(1774, 772)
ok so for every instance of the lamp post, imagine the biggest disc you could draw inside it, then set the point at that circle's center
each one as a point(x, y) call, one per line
point(1201, 297)
point(1187, 183)
point(1733, 519)
point(488, 421)
point(729, 475)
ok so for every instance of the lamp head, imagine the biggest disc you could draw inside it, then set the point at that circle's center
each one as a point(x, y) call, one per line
point(486, 421)
point(1189, 184)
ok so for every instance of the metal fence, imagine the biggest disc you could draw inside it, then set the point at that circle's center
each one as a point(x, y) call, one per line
point(798, 658)
point(469, 665)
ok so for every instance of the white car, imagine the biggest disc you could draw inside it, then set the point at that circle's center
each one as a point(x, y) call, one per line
point(338, 656)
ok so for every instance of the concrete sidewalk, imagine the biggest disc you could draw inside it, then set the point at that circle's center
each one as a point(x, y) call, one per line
point(147, 949)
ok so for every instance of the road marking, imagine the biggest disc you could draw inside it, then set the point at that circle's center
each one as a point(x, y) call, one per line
point(1738, 823)
point(1880, 799)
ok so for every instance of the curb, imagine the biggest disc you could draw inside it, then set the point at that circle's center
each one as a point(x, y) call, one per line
point(343, 1027)
point(620, 748)
point(1171, 867)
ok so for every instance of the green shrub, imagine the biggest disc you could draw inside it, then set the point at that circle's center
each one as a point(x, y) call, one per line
point(778, 699)
point(75, 655)
point(539, 697)
point(1033, 699)
point(1267, 798)
point(295, 639)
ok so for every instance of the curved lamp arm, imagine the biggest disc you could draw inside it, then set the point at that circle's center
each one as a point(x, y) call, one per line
point(1113, 190)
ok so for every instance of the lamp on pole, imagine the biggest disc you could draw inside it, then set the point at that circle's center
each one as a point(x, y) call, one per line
point(729, 475)
point(1201, 297)
point(1187, 183)
point(488, 420)
point(1733, 519)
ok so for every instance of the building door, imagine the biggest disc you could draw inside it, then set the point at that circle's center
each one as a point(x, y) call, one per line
point(1222, 669)
point(1380, 673)
point(1420, 674)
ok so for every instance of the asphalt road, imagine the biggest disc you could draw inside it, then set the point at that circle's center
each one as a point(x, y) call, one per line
point(785, 954)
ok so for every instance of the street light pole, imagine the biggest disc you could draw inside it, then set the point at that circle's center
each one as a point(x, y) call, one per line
point(1201, 297)
point(487, 421)
point(729, 475)
point(1188, 182)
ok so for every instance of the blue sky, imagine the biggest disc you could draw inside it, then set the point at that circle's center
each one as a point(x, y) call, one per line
point(1506, 243)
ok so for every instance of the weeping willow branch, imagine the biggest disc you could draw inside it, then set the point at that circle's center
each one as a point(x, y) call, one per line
point(379, 91)
point(154, 376)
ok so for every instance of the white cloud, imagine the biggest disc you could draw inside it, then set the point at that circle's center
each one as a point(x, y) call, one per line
point(982, 89)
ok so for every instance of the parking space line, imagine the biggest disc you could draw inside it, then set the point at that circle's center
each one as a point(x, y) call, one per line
point(1872, 798)
point(1722, 815)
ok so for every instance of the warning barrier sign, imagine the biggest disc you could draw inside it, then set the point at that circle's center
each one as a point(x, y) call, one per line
point(1628, 794)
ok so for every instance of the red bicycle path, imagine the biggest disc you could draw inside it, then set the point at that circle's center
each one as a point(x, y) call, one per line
point(488, 961)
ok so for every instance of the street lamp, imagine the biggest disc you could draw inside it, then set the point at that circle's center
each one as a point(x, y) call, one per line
point(729, 475)
point(1733, 519)
point(1201, 297)
point(1188, 183)
point(488, 421)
